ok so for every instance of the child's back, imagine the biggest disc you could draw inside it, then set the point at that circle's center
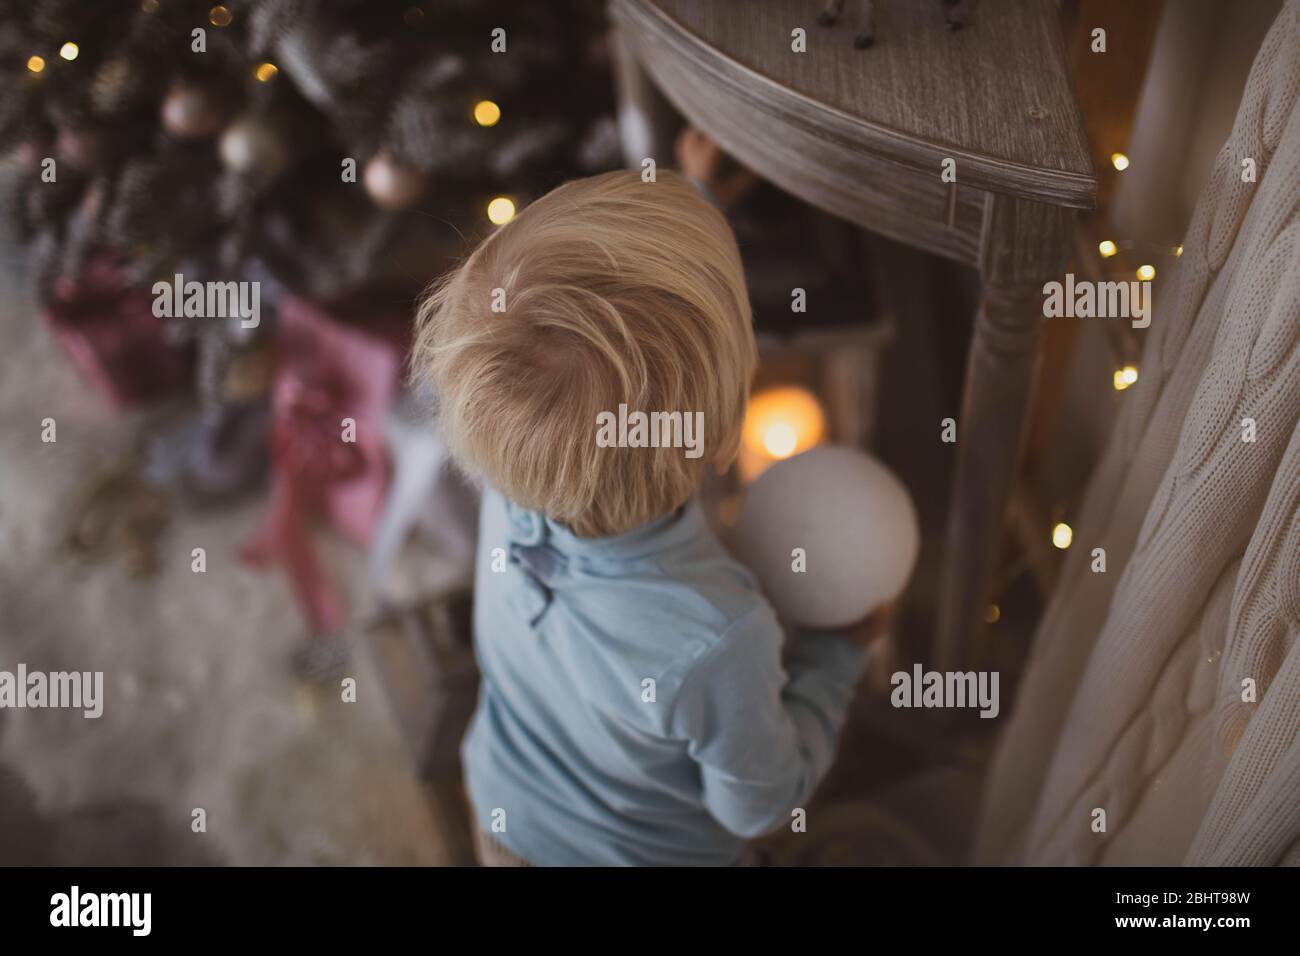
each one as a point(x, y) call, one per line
point(634, 707)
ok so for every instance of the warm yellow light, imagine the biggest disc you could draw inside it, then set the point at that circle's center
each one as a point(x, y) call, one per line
point(1124, 377)
point(1146, 272)
point(266, 72)
point(69, 51)
point(780, 440)
point(780, 422)
point(149, 6)
point(992, 614)
point(1062, 535)
point(1107, 248)
point(1178, 251)
point(1119, 161)
point(36, 64)
point(501, 210)
point(219, 16)
point(486, 113)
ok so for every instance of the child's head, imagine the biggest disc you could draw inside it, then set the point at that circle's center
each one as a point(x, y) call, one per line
point(605, 291)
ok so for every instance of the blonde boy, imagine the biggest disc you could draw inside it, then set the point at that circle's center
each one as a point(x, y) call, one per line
point(634, 708)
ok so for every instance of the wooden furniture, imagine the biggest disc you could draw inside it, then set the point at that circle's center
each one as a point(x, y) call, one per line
point(864, 134)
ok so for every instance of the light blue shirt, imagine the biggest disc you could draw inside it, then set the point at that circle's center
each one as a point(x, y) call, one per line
point(634, 708)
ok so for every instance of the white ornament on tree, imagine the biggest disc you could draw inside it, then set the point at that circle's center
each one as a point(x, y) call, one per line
point(190, 111)
point(251, 146)
point(392, 184)
point(854, 525)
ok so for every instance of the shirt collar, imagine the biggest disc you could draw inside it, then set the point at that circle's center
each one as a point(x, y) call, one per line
point(661, 534)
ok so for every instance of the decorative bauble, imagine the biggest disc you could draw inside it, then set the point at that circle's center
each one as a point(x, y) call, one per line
point(190, 111)
point(390, 183)
point(251, 146)
point(853, 523)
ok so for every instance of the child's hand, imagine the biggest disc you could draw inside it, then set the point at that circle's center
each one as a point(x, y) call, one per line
point(700, 158)
point(872, 628)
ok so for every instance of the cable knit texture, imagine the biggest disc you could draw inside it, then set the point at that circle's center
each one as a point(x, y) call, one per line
point(1133, 699)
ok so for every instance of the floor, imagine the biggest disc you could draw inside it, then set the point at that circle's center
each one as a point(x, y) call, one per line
point(200, 711)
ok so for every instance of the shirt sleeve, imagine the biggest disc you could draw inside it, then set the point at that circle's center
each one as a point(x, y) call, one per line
point(764, 737)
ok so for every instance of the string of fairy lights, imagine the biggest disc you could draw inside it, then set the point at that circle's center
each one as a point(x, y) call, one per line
point(486, 113)
point(1126, 376)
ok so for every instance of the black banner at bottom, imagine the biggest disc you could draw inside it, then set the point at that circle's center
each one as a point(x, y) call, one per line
point(343, 905)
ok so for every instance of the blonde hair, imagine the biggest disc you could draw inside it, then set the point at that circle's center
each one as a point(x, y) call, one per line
point(615, 291)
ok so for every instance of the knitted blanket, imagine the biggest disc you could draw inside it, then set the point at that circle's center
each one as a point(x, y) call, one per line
point(1165, 691)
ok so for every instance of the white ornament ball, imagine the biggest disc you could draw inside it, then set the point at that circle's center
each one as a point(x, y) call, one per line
point(391, 184)
point(856, 526)
point(251, 146)
point(190, 112)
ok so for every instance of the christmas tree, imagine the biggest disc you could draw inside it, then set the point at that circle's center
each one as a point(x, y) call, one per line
point(319, 138)
point(341, 155)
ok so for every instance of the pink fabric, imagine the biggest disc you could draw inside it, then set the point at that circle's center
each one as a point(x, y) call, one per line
point(327, 372)
point(110, 333)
